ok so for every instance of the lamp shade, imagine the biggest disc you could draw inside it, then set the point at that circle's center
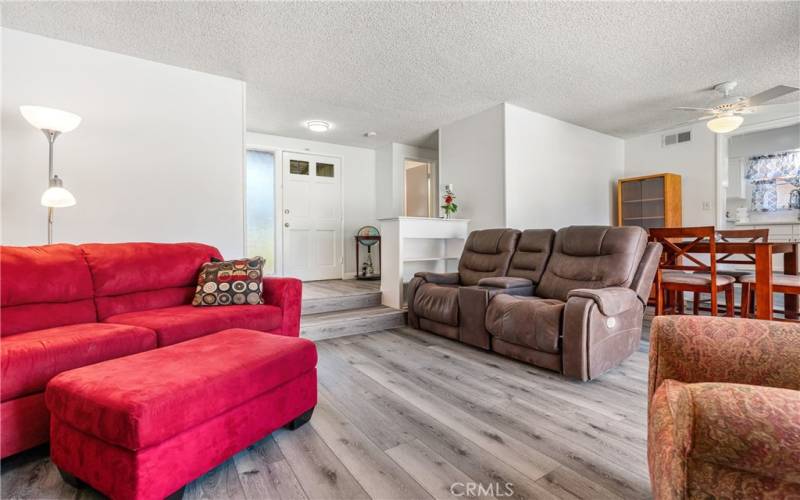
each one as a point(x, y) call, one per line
point(45, 118)
point(725, 123)
point(57, 196)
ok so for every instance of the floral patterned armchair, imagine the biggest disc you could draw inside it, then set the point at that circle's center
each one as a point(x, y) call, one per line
point(724, 408)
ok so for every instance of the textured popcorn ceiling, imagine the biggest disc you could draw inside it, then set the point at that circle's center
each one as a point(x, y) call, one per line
point(405, 69)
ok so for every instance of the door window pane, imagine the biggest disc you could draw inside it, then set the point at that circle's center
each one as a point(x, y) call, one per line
point(298, 167)
point(324, 169)
point(260, 198)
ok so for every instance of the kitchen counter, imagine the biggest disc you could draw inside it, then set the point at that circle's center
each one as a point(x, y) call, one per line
point(770, 223)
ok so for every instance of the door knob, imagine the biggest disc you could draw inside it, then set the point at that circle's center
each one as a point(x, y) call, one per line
point(286, 211)
point(285, 224)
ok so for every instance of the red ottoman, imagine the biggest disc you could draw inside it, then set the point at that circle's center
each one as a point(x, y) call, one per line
point(143, 426)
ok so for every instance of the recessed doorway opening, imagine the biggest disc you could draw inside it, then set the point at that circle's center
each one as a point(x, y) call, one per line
point(419, 198)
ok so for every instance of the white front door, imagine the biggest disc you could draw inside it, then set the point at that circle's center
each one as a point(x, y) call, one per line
point(312, 217)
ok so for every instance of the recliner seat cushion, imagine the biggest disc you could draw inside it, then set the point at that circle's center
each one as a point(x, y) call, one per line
point(592, 257)
point(486, 253)
point(438, 303)
point(31, 359)
point(180, 323)
point(526, 321)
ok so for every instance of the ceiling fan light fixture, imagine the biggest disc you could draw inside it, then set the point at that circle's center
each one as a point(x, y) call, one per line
point(724, 124)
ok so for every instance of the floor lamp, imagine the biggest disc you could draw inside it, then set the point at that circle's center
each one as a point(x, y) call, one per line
point(53, 122)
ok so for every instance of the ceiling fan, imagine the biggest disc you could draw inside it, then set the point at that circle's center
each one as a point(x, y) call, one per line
point(725, 115)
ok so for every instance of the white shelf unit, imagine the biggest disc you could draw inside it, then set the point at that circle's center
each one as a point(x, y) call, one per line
point(413, 244)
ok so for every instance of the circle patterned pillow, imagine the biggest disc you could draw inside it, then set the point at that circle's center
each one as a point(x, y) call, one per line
point(230, 282)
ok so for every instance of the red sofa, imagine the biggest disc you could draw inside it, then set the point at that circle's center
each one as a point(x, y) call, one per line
point(66, 306)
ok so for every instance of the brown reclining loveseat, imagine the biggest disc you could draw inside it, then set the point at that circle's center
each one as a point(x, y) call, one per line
point(573, 303)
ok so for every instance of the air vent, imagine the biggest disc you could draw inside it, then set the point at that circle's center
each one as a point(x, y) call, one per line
point(672, 139)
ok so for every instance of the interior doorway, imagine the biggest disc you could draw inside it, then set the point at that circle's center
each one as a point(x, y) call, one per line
point(419, 199)
point(312, 217)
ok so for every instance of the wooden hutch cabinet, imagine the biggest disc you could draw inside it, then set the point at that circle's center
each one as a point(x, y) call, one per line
point(649, 201)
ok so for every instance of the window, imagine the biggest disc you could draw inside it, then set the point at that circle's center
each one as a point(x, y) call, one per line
point(260, 199)
point(773, 178)
point(324, 169)
point(298, 167)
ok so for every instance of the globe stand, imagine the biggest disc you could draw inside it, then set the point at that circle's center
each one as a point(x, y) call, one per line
point(366, 270)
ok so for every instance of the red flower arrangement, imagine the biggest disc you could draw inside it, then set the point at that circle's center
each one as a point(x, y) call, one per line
point(449, 206)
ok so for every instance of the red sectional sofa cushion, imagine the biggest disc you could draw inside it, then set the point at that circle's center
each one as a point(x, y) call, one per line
point(31, 359)
point(180, 323)
point(44, 287)
point(138, 276)
point(144, 399)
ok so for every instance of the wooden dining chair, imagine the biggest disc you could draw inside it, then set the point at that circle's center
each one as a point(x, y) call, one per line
point(734, 236)
point(672, 277)
point(781, 283)
point(744, 236)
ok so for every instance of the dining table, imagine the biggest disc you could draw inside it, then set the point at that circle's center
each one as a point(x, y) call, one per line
point(761, 255)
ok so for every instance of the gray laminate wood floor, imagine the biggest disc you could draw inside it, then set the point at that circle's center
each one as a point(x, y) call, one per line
point(405, 414)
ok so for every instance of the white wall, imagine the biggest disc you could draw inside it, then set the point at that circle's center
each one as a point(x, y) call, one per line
point(764, 142)
point(471, 157)
point(512, 167)
point(157, 157)
point(558, 174)
point(694, 161)
point(387, 194)
point(358, 185)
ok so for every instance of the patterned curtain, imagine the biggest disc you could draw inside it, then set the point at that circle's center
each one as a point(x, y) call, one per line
point(764, 172)
point(765, 196)
point(774, 166)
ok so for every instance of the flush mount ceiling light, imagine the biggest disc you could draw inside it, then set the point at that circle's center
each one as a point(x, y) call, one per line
point(318, 125)
point(725, 123)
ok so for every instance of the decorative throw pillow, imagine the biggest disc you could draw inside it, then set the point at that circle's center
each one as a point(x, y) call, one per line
point(230, 282)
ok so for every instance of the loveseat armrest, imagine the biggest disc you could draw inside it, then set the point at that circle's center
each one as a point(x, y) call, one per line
point(601, 329)
point(709, 426)
point(611, 301)
point(714, 349)
point(506, 282)
point(287, 294)
point(646, 273)
point(439, 278)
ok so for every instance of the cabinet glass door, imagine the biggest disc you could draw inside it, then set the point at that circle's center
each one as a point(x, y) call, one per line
point(632, 203)
point(643, 202)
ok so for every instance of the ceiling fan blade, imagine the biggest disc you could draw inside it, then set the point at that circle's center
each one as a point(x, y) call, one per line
point(686, 108)
point(769, 95)
point(766, 108)
point(682, 124)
